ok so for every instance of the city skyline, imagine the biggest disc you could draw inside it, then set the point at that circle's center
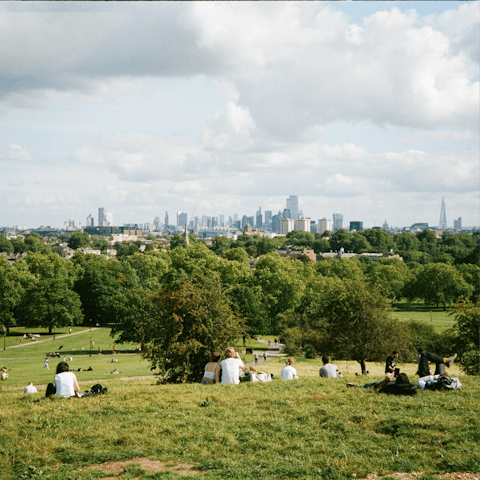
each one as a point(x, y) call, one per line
point(368, 109)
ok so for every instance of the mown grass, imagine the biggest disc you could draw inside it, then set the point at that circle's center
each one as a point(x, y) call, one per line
point(313, 428)
point(439, 318)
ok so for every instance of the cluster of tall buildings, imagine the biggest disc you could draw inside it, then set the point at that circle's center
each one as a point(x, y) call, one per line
point(283, 222)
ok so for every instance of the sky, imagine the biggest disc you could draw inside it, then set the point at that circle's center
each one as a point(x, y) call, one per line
point(369, 109)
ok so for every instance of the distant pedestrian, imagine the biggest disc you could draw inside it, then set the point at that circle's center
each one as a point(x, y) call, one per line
point(45, 365)
point(269, 343)
point(256, 358)
point(264, 356)
point(69, 330)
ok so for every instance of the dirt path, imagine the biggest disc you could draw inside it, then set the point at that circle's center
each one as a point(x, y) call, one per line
point(53, 338)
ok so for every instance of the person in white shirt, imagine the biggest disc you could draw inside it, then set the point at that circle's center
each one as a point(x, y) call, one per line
point(329, 370)
point(288, 371)
point(65, 381)
point(30, 388)
point(231, 367)
point(431, 382)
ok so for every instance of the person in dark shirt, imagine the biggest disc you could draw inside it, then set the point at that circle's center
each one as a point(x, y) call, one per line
point(391, 362)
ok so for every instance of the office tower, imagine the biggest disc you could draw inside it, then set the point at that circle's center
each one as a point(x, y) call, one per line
point(156, 222)
point(337, 221)
point(268, 220)
point(221, 220)
point(259, 219)
point(166, 220)
point(287, 214)
point(109, 219)
point(303, 224)
point(102, 217)
point(230, 221)
point(276, 222)
point(286, 226)
point(235, 217)
point(356, 226)
point(214, 221)
point(457, 224)
point(324, 225)
point(443, 216)
point(292, 205)
point(181, 219)
point(90, 221)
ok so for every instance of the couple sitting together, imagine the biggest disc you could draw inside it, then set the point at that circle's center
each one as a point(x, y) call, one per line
point(230, 370)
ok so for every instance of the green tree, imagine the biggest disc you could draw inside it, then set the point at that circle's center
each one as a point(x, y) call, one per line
point(221, 244)
point(467, 314)
point(406, 242)
point(35, 243)
point(379, 240)
point(50, 300)
point(100, 244)
point(321, 245)
point(340, 239)
point(18, 245)
point(184, 323)
point(238, 254)
point(79, 240)
point(101, 286)
point(389, 276)
point(340, 268)
point(300, 239)
point(5, 245)
point(358, 243)
point(13, 280)
point(439, 283)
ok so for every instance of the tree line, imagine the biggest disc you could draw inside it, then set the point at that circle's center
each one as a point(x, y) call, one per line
point(195, 299)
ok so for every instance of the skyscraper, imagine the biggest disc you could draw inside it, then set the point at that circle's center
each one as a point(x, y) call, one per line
point(90, 221)
point(443, 216)
point(337, 221)
point(102, 217)
point(292, 205)
point(259, 219)
point(166, 219)
point(181, 219)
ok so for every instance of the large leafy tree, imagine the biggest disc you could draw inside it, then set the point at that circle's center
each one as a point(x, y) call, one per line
point(13, 281)
point(379, 240)
point(439, 283)
point(389, 276)
point(50, 300)
point(78, 240)
point(466, 329)
point(181, 324)
point(35, 243)
point(101, 285)
point(5, 244)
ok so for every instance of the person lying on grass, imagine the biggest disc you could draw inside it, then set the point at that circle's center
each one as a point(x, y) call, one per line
point(399, 386)
point(439, 382)
point(425, 357)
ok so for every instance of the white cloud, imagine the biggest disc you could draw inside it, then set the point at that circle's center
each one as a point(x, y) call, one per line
point(15, 153)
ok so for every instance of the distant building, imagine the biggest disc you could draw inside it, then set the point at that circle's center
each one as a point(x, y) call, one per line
point(156, 222)
point(443, 216)
point(166, 220)
point(293, 253)
point(286, 225)
point(90, 221)
point(337, 221)
point(303, 224)
point(457, 224)
point(292, 205)
point(356, 226)
point(324, 225)
point(276, 219)
point(181, 219)
point(102, 217)
point(419, 226)
point(268, 220)
point(259, 219)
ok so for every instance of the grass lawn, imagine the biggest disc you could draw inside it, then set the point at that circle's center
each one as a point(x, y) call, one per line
point(436, 316)
point(312, 428)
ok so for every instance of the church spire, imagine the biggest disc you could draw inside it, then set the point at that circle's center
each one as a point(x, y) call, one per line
point(186, 240)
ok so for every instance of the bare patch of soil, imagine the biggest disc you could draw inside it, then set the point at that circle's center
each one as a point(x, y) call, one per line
point(151, 465)
point(414, 475)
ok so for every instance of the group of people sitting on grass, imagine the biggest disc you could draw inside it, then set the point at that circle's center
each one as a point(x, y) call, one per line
point(231, 370)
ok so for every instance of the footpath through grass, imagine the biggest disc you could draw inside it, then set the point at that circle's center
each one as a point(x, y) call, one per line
point(313, 428)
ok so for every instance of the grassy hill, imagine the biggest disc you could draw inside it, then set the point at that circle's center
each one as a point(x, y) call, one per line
point(313, 428)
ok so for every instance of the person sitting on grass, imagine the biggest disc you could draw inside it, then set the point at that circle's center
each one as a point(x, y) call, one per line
point(425, 357)
point(329, 370)
point(399, 386)
point(66, 384)
point(4, 373)
point(30, 388)
point(439, 382)
point(391, 362)
point(289, 372)
point(231, 367)
point(212, 370)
